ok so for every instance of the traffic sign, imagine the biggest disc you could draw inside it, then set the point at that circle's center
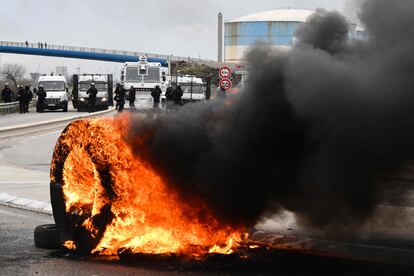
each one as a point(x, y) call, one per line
point(226, 83)
point(225, 72)
point(241, 72)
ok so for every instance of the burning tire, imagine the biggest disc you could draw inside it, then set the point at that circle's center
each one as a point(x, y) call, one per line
point(75, 146)
point(47, 236)
point(108, 200)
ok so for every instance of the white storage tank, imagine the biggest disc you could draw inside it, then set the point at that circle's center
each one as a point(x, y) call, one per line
point(273, 27)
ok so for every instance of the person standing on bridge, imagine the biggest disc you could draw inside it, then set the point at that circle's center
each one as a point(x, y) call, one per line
point(21, 98)
point(28, 96)
point(156, 94)
point(41, 96)
point(7, 94)
point(92, 92)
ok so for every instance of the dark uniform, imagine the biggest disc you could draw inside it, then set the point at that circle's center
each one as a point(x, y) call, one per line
point(132, 97)
point(21, 98)
point(41, 96)
point(28, 96)
point(92, 92)
point(119, 97)
point(7, 94)
point(177, 94)
point(156, 94)
point(221, 93)
point(169, 97)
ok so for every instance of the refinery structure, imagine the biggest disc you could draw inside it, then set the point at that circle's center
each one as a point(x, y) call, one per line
point(272, 27)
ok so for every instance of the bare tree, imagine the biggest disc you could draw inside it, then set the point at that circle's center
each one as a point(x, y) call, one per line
point(13, 72)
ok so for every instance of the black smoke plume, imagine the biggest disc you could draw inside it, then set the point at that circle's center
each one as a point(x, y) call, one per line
point(310, 132)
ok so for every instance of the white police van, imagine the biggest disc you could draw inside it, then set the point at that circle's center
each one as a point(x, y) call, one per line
point(56, 92)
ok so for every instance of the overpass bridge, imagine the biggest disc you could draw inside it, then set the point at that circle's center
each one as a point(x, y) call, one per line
point(53, 50)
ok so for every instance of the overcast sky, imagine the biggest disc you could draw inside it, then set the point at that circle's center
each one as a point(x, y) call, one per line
point(180, 27)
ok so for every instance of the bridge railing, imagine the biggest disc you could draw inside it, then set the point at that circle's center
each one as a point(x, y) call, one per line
point(101, 51)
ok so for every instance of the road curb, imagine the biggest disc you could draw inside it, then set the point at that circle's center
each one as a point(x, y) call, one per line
point(6, 132)
point(26, 204)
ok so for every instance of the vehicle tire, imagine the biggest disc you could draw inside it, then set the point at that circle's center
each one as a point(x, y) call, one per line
point(65, 108)
point(47, 236)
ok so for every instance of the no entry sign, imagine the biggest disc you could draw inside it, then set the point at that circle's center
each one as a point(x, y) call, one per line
point(225, 72)
point(226, 83)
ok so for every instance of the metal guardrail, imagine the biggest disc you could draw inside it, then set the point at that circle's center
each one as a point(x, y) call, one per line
point(13, 107)
point(105, 51)
point(7, 108)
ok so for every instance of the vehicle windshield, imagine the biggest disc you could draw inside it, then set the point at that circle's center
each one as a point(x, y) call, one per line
point(197, 88)
point(52, 85)
point(132, 75)
point(100, 86)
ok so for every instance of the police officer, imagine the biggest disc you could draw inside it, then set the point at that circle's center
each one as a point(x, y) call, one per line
point(21, 97)
point(119, 97)
point(132, 97)
point(177, 94)
point(92, 92)
point(28, 96)
point(169, 96)
point(156, 94)
point(41, 96)
point(221, 92)
point(7, 94)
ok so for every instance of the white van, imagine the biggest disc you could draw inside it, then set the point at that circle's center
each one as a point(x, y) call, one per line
point(56, 92)
point(193, 88)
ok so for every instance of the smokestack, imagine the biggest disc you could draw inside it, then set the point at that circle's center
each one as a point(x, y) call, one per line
point(220, 38)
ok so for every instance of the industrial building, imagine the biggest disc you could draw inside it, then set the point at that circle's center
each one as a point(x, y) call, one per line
point(273, 27)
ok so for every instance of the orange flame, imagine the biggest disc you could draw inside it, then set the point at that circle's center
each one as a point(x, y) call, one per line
point(148, 216)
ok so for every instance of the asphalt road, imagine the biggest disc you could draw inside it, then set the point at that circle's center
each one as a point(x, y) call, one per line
point(19, 256)
point(15, 119)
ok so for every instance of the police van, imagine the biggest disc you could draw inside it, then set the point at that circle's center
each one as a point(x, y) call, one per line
point(81, 84)
point(56, 92)
point(144, 76)
point(193, 87)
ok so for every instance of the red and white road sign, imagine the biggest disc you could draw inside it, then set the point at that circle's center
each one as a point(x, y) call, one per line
point(225, 72)
point(226, 83)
